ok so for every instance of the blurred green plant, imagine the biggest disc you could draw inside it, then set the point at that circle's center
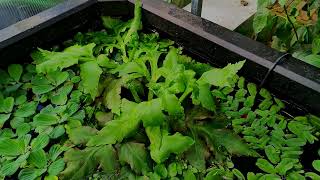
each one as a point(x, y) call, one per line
point(289, 26)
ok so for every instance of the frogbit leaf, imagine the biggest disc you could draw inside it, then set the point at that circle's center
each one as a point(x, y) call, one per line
point(15, 71)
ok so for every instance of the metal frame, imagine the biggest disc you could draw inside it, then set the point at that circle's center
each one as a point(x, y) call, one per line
point(196, 7)
point(293, 80)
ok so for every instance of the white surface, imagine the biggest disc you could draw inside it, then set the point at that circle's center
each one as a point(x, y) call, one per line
point(227, 13)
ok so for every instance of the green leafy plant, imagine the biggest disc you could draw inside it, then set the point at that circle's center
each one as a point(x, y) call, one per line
point(289, 26)
point(122, 104)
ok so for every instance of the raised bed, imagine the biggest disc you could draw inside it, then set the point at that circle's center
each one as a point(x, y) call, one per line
point(293, 81)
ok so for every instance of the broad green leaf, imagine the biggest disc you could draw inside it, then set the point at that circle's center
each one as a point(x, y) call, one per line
point(265, 166)
point(272, 153)
point(116, 130)
point(51, 177)
point(44, 119)
point(16, 121)
point(40, 142)
point(56, 167)
point(30, 173)
point(90, 75)
point(26, 110)
point(112, 98)
point(227, 139)
point(188, 175)
point(316, 45)
point(5, 78)
point(111, 23)
point(220, 77)
point(6, 105)
point(312, 175)
point(23, 129)
point(38, 158)
point(60, 97)
point(57, 132)
point(162, 144)
point(136, 156)
point(172, 105)
point(172, 169)
point(3, 119)
point(81, 135)
point(312, 59)
point(295, 176)
point(282, 2)
point(42, 89)
point(151, 113)
point(161, 170)
point(260, 20)
point(238, 174)
point(20, 100)
point(8, 169)
point(11, 147)
point(316, 165)
point(81, 163)
point(103, 117)
point(58, 77)
point(53, 61)
point(196, 155)
point(15, 71)
point(285, 165)
point(205, 97)
point(55, 150)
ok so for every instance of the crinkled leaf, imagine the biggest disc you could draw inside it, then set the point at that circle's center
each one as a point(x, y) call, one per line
point(90, 75)
point(227, 139)
point(172, 105)
point(26, 110)
point(53, 61)
point(81, 135)
point(112, 98)
point(15, 71)
point(196, 155)
point(136, 156)
point(260, 20)
point(162, 144)
point(220, 77)
point(116, 130)
point(81, 163)
point(151, 113)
